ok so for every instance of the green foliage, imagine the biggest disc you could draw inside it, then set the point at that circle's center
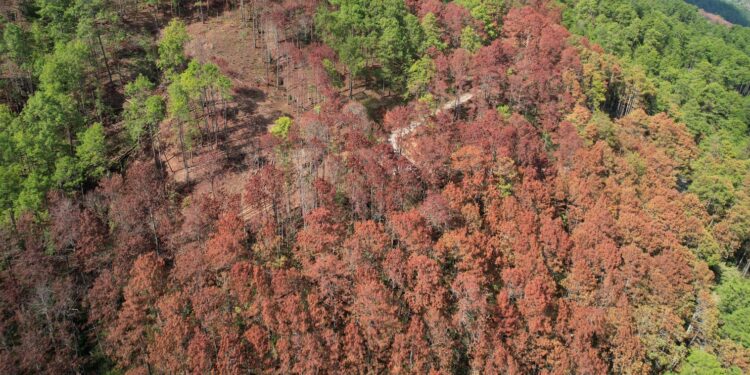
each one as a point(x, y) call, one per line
point(172, 46)
point(489, 12)
point(720, 172)
point(735, 326)
point(734, 305)
point(65, 69)
point(92, 161)
point(432, 33)
point(505, 111)
point(714, 189)
point(17, 44)
point(154, 110)
point(470, 41)
point(362, 30)
point(142, 111)
point(187, 95)
point(703, 363)
point(44, 137)
point(698, 72)
point(45, 125)
point(694, 64)
point(429, 101)
point(31, 196)
point(59, 51)
point(67, 173)
point(397, 47)
point(223, 85)
point(10, 169)
point(178, 106)
point(333, 74)
point(280, 127)
point(57, 19)
point(709, 250)
point(420, 76)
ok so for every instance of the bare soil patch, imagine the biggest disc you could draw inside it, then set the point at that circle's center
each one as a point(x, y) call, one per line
point(224, 41)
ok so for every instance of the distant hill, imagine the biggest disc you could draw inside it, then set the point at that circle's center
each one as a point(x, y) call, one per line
point(734, 11)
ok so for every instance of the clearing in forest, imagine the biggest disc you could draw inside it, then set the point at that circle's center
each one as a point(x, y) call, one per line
point(225, 42)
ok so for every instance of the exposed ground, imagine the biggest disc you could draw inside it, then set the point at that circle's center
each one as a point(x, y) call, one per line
point(397, 136)
point(225, 42)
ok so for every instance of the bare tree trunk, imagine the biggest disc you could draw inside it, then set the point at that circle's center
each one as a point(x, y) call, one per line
point(12, 220)
point(104, 54)
point(184, 153)
point(153, 228)
point(155, 150)
point(242, 13)
point(351, 85)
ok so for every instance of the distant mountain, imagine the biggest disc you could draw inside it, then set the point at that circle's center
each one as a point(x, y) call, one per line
point(734, 11)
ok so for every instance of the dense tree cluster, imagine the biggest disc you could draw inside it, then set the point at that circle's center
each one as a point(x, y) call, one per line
point(585, 210)
point(59, 87)
point(695, 71)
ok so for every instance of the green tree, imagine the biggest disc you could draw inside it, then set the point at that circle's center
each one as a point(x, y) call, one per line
point(172, 47)
point(733, 292)
point(397, 46)
point(141, 109)
point(67, 173)
point(46, 130)
point(178, 108)
point(470, 40)
point(64, 71)
point(10, 170)
point(420, 76)
point(364, 30)
point(489, 12)
point(735, 326)
point(433, 33)
point(280, 127)
point(699, 362)
point(17, 44)
point(91, 152)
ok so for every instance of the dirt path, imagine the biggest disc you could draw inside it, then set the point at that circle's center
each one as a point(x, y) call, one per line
point(224, 42)
point(399, 134)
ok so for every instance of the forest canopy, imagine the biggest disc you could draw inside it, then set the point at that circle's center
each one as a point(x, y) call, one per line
point(361, 186)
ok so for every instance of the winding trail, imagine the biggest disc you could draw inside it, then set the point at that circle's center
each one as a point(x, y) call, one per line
point(248, 213)
point(398, 134)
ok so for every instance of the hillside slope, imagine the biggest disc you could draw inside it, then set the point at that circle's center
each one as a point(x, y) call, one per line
point(734, 11)
point(374, 186)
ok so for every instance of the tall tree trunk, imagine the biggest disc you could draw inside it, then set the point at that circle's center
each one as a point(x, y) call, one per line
point(226, 113)
point(351, 85)
point(12, 220)
point(153, 228)
point(155, 150)
point(104, 55)
point(69, 132)
point(184, 152)
point(242, 13)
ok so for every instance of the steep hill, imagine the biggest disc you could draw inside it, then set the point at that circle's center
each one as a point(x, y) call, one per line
point(374, 187)
point(734, 11)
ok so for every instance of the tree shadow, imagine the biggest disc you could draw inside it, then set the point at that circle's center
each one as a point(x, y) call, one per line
point(247, 99)
point(214, 9)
